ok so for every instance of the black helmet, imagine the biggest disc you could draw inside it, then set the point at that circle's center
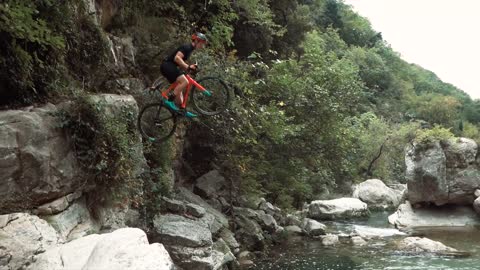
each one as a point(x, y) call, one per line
point(199, 37)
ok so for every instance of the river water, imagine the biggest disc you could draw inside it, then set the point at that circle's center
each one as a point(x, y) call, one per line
point(303, 254)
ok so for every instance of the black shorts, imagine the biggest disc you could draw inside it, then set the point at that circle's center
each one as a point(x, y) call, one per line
point(171, 71)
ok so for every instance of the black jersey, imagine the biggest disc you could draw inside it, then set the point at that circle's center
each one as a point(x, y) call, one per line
point(186, 49)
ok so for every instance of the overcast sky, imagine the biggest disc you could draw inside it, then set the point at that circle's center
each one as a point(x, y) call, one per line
point(440, 35)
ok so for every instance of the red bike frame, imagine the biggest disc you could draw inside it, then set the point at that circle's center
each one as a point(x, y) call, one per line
point(191, 82)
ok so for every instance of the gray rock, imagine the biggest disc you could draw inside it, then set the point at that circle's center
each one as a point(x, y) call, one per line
point(407, 218)
point(210, 184)
point(199, 258)
point(195, 210)
point(54, 207)
point(426, 174)
point(23, 236)
point(249, 233)
point(173, 230)
point(229, 238)
point(377, 195)
point(371, 232)
point(313, 227)
point(443, 173)
point(174, 206)
point(222, 255)
point(112, 217)
point(189, 241)
point(292, 220)
point(131, 86)
point(217, 219)
point(462, 185)
point(125, 249)
point(476, 205)
point(37, 162)
point(246, 255)
point(269, 208)
point(293, 229)
point(343, 208)
point(73, 196)
point(419, 246)
point(329, 239)
point(267, 222)
point(66, 221)
point(358, 241)
point(460, 152)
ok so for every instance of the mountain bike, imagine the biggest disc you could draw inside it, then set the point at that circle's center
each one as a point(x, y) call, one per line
point(157, 122)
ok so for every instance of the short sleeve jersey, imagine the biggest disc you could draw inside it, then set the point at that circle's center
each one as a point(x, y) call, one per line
point(186, 49)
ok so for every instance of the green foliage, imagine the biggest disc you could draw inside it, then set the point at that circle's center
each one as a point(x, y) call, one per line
point(378, 150)
point(106, 144)
point(437, 133)
point(471, 131)
point(30, 50)
point(437, 109)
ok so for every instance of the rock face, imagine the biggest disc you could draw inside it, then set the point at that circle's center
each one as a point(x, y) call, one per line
point(123, 249)
point(448, 216)
point(342, 208)
point(377, 195)
point(21, 237)
point(37, 162)
point(442, 173)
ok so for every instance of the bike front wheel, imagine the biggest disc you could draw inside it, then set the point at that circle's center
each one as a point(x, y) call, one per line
point(213, 101)
point(156, 122)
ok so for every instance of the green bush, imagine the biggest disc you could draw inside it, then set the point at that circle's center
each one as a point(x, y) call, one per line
point(437, 133)
point(106, 145)
point(31, 48)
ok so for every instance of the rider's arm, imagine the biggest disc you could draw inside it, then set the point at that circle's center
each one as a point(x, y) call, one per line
point(179, 60)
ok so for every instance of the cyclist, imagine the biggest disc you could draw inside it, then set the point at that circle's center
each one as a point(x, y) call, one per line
point(174, 68)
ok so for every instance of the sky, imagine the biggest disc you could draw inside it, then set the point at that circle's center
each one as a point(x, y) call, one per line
point(442, 36)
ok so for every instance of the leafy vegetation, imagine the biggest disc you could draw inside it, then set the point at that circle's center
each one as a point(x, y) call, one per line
point(106, 144)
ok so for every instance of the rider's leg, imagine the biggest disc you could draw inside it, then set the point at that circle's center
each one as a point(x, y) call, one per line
point(182, 84)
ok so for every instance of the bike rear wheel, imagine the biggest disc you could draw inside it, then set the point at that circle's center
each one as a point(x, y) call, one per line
point(156, 122)
point(215, 101)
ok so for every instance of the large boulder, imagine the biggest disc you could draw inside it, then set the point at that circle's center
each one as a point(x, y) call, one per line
point(126, 249)
point(442, 173)
point(178, 230)
point(377, 195)
point(190, 242)
point(249, 232)
point(37, 162)
point(313, 227)
point(407, 218)
point(210, 184)
point(343, 208)
point(217, 219)
point(21, 237)
point(426, 174)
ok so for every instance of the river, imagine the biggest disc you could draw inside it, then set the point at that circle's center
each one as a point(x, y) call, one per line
point(309, 254)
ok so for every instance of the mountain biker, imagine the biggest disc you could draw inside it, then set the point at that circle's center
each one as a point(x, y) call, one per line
point(174, 68)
